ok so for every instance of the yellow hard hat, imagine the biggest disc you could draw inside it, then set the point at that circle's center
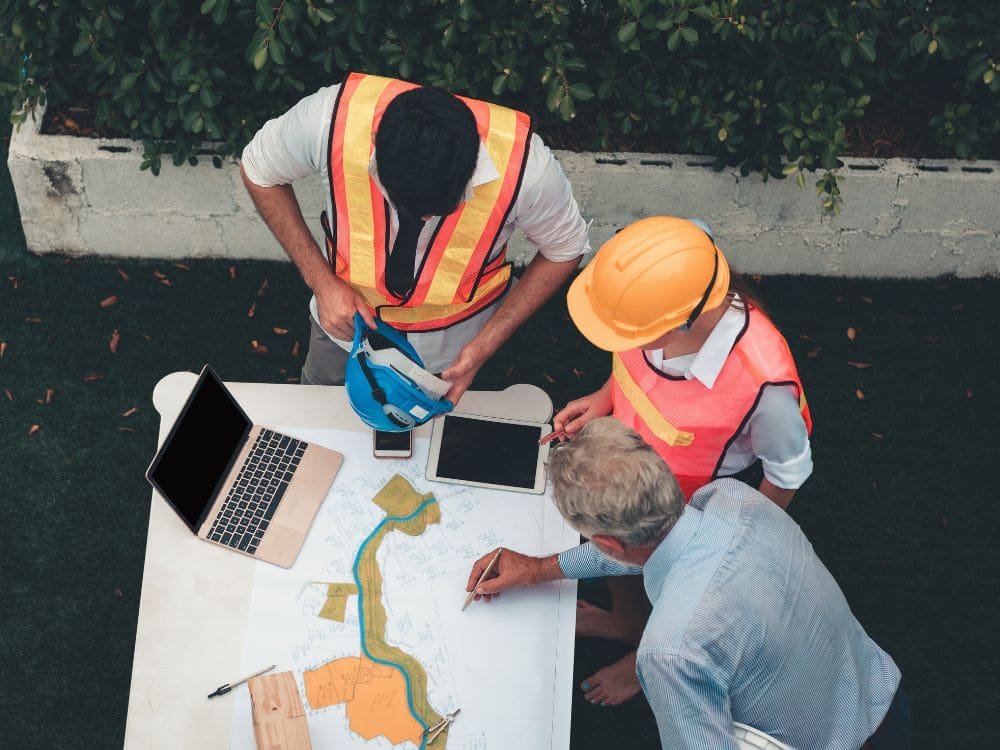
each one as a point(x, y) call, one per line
point(653, 276)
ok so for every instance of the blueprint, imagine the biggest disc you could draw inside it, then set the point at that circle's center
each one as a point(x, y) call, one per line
point(369, 618)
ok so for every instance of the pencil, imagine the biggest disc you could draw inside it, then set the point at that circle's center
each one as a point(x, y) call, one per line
point(489, 569)
point(560, 433)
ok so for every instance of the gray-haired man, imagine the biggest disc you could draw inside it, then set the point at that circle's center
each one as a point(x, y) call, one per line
point(747, 624)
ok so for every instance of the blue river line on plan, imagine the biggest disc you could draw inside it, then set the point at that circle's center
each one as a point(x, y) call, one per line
point(361, 612)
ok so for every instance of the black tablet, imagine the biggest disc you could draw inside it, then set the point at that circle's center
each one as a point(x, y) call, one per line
point(493, 452)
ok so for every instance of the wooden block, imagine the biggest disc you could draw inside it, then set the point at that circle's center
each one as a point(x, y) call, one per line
point(279, 720)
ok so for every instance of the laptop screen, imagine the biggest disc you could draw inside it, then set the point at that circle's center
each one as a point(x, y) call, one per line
point(198, 453)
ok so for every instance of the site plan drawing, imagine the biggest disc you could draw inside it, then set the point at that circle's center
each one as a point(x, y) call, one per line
point(369, 618)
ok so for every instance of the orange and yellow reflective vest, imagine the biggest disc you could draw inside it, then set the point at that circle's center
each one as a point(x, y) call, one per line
point(456, 278)
point(692, 426)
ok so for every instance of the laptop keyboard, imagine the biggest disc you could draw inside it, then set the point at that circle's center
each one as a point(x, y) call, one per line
point(257, 491)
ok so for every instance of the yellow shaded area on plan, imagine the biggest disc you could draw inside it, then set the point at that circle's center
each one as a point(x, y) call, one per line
point(398, 498)
point(335, 607)
point(385, 689)
point(375, 695)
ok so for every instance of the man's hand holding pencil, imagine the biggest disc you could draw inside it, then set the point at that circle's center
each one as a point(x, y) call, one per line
point(509, 570)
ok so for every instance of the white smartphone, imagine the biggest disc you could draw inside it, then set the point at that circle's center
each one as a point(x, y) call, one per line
point(392, 444)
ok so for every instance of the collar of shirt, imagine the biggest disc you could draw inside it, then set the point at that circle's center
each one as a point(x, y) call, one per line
point(706, 363)
point(655, 571)
point(485, 171)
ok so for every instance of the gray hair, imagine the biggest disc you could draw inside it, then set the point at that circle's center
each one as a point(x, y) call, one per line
point(609, 481)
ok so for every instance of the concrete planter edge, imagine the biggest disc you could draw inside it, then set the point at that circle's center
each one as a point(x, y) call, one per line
point(902, 218)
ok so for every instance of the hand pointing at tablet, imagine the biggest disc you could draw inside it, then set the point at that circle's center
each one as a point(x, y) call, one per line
point(511, 570)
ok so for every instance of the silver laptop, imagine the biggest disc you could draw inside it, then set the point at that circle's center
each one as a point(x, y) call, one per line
point(237, 484)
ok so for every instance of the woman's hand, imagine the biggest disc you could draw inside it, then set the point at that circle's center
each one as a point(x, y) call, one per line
point(577, 413)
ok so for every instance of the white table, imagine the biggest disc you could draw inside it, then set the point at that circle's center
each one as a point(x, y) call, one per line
point(195, 596)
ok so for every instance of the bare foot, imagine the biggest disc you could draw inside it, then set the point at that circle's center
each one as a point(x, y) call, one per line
point(614, 684)
point(594, 622)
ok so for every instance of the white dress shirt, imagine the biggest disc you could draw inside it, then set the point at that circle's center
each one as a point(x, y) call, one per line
point(294, 146)
point(775, 432)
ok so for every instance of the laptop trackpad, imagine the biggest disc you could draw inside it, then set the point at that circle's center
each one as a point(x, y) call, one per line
point(280, 545)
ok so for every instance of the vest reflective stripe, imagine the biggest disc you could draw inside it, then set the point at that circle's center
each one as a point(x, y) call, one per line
point(644, 407)
point(454, 280)
point(692, 426)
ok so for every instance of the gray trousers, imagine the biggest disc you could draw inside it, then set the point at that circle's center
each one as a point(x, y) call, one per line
point(325, 360)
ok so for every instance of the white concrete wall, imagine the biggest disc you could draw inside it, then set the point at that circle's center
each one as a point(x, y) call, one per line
point(901, 218)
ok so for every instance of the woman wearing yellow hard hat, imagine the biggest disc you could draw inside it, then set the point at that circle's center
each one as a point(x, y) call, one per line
point(697, 370)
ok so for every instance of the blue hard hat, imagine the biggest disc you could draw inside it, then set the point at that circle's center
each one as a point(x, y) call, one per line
point(387, 384)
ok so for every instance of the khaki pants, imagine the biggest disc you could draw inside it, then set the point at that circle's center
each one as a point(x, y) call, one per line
point(325, 360)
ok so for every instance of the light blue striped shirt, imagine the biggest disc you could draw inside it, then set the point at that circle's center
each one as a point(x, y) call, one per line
point(748, 625)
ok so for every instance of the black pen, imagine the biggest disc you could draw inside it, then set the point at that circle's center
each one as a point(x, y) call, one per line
point(223, 689)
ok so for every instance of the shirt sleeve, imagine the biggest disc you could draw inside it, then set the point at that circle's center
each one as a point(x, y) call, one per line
point(779, 438)
point(546, 210)
point(291, 146)
point(586, 561)
point(690, 704)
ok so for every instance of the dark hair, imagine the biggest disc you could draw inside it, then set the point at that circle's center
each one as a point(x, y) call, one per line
point(426, 149)
point(749, 296)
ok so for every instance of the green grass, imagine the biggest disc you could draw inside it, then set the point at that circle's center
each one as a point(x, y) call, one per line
point(902, 506)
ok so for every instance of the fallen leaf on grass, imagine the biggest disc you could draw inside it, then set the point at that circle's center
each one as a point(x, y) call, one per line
point(33, 429)
point(756, 278)
point(48, 395)
point(232, 272)
point(295, 349)
point(932, 339)
point(13, 281)
point(3, 348)
point(813, 353)
point(182, 266)
point(109, 301)
point(292, 380)
point(878, 435)
point(280, 331)
point(258, 347)
point(860, 395)
point(968, 393)
point(165, 281)
point(130, 412)
point(32, 319)
point(122, 274)
point(252, 311)
point(113, 343)
point(91, 376)
point(859, 365)
point(10, 396)
point(70, 124)
point(548, 377)
point(866, 300)
point(510, 370)
point(125, 429)
point(263, 286)
point(851, 333)
point(805, 337)
point(578, 373)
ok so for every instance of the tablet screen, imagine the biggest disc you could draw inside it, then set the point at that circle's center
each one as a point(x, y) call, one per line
point(476, 450)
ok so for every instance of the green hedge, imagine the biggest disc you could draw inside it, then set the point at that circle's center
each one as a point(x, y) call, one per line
point(772, 87)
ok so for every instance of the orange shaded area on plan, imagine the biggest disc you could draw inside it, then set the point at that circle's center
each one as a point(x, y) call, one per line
point(375, 695)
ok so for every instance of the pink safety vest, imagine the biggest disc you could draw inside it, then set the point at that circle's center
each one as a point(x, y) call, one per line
point(690, 425)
